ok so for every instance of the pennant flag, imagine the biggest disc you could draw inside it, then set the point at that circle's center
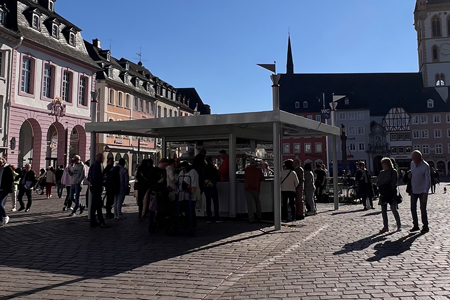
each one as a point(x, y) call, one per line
point(270, 67)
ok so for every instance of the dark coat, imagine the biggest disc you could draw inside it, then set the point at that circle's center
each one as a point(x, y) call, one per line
point(7, 184)
point(364, 189)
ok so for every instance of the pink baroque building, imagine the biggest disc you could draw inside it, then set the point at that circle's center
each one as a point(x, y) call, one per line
point(51, 84)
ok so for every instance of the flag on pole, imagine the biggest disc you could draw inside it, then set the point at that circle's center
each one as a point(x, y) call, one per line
point(270, 67)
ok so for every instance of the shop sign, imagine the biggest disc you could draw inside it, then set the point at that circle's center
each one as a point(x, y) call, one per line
point(119, 142)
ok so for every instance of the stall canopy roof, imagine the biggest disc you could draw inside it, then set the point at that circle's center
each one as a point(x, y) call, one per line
point(255, 126)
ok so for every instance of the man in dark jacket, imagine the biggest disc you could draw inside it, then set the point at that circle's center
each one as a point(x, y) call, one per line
point(26, 183)
point(143, 178)
point(364, 181)
point(6, 187)
point(95, 179)
point(58, 177)
point(107, 175)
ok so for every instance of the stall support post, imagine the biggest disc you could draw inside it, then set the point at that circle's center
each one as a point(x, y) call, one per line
point(163, 148)
point(93, 144)
point(232, 183)
point(277, 170)
point(335, 163)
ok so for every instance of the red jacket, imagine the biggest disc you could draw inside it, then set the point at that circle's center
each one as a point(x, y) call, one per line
point(224, 170)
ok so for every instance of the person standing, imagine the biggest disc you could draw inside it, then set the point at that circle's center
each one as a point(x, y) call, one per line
point(289, 183)
point(26, 183)
point(320, 181)
point(158, 186)
point(66, 180)
point(299, 207)
point(309, 190)
point(58, 176)
point(199, 165)
point(252, 186)
point(211, 177)
point(95, 179)
point(420, 185)
point(121, 190)
point(50, 180)
point(15, 188)
point(434, 179)
point(387, 185)
point(108, 187)
point(78, 174)
point(365, 191)
point(190, 180)
point(143, 177)
point(224, 170)
point(6, 187)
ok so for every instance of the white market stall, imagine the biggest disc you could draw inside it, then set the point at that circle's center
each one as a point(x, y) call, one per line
point(267, 126)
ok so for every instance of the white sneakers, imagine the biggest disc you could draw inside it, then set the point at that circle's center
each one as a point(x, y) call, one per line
point(5, 221)
point(14, 209)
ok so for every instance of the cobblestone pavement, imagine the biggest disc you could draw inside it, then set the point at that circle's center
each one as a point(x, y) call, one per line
point(335, 255)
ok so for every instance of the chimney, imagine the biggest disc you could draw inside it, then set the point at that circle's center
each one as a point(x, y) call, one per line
point(140, 63)
point(96, 43)
point(208, 108)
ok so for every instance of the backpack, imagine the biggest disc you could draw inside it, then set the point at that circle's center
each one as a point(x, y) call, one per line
point(115, 180)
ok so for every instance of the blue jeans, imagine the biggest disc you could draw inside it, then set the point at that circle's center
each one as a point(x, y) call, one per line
point(394, 206)
point(423, 210)
point(211, 194)
point(2, 207)
point(118, 202)
point(59, 188)
point(75, 191)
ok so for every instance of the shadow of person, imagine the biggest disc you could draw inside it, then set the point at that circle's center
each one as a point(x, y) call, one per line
point(393, 248)
point(362, 243)
point(372, 213)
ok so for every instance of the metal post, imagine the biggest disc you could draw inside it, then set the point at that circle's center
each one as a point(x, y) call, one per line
point(66, 144)
point(232, 185)
point(138, 152)
point(335, 163)
point(93, 144)
point(275, 91)
point(163, 148)
point(277, 170)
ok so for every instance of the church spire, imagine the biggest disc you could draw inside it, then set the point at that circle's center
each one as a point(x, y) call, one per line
point(290, 61)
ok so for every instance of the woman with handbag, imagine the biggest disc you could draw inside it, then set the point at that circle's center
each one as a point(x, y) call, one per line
point(289, 183)
point(387, 185)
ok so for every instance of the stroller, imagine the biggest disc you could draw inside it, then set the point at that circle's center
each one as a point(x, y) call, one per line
point(39, 187)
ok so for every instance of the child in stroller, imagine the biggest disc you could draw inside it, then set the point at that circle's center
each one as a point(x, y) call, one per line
point(39, 187)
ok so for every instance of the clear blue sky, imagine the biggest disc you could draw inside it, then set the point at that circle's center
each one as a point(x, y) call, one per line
point(214, 45)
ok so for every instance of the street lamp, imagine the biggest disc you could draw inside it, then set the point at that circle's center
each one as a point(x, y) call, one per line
point(66, 142)
point(333, 105)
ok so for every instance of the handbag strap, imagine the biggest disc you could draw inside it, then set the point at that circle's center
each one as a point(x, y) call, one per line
point(286, 177)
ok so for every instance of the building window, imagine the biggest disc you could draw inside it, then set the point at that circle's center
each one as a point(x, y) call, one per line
point(297, 148)
point(127, 66)
point(318, 118)
point(415, 119)
point(297, 104)
point(394, 150)
point(175, 113)
point(55, 30)
point(342, 116)
point(305, 104)
point(362, 147)
point(147, 107)
point(120, 102)
point(111, 97)
point(286, 148)
point(307, 147)
point(394, 137)
point(309, 117)
point(352, 146)
point(436, 26)
point(440, 81)
point(447, 118)
point(137, 82)
point(425, 149)
point(158, 112)
point(65, 94)
point(448, 148)
point(423, 119)
point(125, 78)
point(108, 56)
point(438, 148)
point(437, 133)
point(72, 40)
point(360, 116)
point(437, 119)
point(47, 82)
point(360, 130)
point(351, 130)
point(2, 17)
point(51, 5)
point(417, 147)
point(318, 147)
point(36, 22)
point(25, 83)
point(165, 112)
point(170, 113)
point(82, 96)
point(351, 115)
point(110, 72)
point(347, 101)
point(435, 52)
point(424, 134)
point(127, 101)
point(401, 150)
point(136, 104)
point(416, 134)
point(448, 133)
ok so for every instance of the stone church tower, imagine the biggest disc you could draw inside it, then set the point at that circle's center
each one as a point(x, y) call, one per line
point(432, 23)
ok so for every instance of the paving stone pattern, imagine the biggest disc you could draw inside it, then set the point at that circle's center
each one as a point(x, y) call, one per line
point(335, 255)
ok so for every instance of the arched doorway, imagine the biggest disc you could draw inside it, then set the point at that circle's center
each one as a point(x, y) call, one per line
point(55, 141)
point(30, 137)
point(77, 142)
point(127, 159)
point(117, 158)
point(377, 164)
point(133, 163)
point(441, 167)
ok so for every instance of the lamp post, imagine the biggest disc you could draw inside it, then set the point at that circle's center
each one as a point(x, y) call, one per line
point(93, 143)
point(66, 144)
point(344, 150)
point(333, 105)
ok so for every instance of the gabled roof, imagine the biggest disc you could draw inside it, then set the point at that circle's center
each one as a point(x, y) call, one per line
point(377, 91)
point(192, 95)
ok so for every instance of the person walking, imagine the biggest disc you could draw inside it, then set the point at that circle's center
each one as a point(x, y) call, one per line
point(95, 179)
point(309, 190)
point(27, 181)
point(6, 187)
point(420, 185)
point(15, 188)
point(365, 191)
point(252, 187)
point(58, 176)
point(66, 180)
point(289, 183)
point(120, 187)
point(211, 177)
point(320, 181)
point(299, 207)
point(78, 174)
point(107, 174)
point(50, 180)
point(434, 179)
point(387, 185)
point(143, 177)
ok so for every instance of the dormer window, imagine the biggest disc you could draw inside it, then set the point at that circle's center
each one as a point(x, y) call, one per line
point(430, 103)
point(36, 24)
point(347, 101)
point(297, 104)
point(127, 66)
point(51, 5)
point(147, 86)
point(2, 16)
point(55, 30)
point(110, 72)
point(125, 78)
point(108, 56)
point(72, 40)
point(137, 82)
point(305, 104)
